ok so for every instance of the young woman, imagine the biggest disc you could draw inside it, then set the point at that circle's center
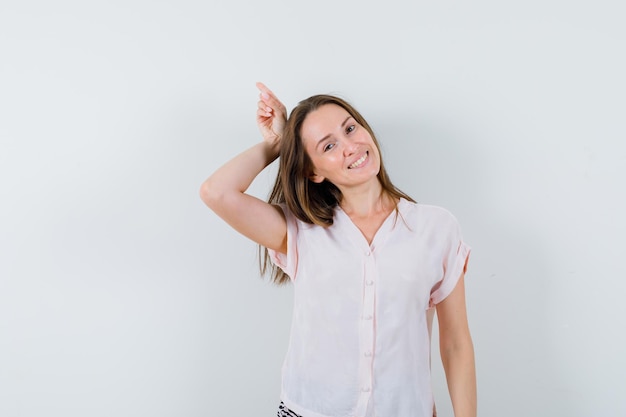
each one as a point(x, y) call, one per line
point(368, 265)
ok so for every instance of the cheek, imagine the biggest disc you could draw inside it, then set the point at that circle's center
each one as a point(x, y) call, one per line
point(324, 164)
point(378, 159)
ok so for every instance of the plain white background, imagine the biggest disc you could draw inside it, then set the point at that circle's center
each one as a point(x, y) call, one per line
point(121, 294)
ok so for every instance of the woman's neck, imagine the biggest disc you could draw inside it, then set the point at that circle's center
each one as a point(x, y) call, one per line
point(367, 202)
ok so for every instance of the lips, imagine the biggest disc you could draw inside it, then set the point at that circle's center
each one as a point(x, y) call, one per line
point(359, 161)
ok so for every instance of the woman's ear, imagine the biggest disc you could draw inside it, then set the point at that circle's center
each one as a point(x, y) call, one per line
point(316, 178)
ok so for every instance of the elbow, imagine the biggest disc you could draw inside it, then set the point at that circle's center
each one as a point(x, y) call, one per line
point(458, 347)
point(210, 194)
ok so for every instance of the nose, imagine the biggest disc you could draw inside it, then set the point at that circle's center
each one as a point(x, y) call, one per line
point(349, 147)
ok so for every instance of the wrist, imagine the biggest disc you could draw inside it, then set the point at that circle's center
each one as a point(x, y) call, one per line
point(271, 149)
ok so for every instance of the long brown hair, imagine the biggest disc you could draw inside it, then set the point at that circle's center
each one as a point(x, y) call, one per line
point(311, 202)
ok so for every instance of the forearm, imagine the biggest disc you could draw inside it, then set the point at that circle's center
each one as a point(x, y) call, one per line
point(237, 174)
point(458, 363)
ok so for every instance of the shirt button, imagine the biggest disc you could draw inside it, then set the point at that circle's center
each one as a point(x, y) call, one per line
point(370, 282)
point(368, 253)
point(365, 389)
point(368, 317)
point(368, 354)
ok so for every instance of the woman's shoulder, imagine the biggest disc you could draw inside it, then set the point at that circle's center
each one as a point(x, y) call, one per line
point(426, 212)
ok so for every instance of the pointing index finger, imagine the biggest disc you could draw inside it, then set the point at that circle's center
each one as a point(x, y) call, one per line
point(263, 88)
point(266, 93)
point(269, 97)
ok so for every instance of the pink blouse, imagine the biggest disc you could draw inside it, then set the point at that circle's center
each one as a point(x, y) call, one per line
point(360, 336)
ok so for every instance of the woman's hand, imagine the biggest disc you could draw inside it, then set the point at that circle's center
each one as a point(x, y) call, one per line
point(271, 115)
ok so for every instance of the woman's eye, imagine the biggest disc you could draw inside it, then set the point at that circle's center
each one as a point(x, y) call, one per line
point(329, 146)
point(350, 128)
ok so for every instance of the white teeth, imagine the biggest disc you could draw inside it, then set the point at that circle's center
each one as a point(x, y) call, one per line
point(359, 162)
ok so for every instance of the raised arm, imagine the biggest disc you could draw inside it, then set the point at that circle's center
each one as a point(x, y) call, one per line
point(224, 191)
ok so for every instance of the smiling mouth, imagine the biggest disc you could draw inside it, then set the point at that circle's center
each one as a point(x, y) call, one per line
point(358, 163)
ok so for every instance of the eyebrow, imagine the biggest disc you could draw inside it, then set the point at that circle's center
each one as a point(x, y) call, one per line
point(327, 136)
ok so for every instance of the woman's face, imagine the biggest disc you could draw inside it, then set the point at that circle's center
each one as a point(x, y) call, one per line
point(341, 150)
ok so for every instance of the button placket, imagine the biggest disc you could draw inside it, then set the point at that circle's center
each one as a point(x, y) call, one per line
point(367, 327)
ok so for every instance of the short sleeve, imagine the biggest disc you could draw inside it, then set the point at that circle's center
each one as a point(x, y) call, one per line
point(288, 262)
point(455, 257)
